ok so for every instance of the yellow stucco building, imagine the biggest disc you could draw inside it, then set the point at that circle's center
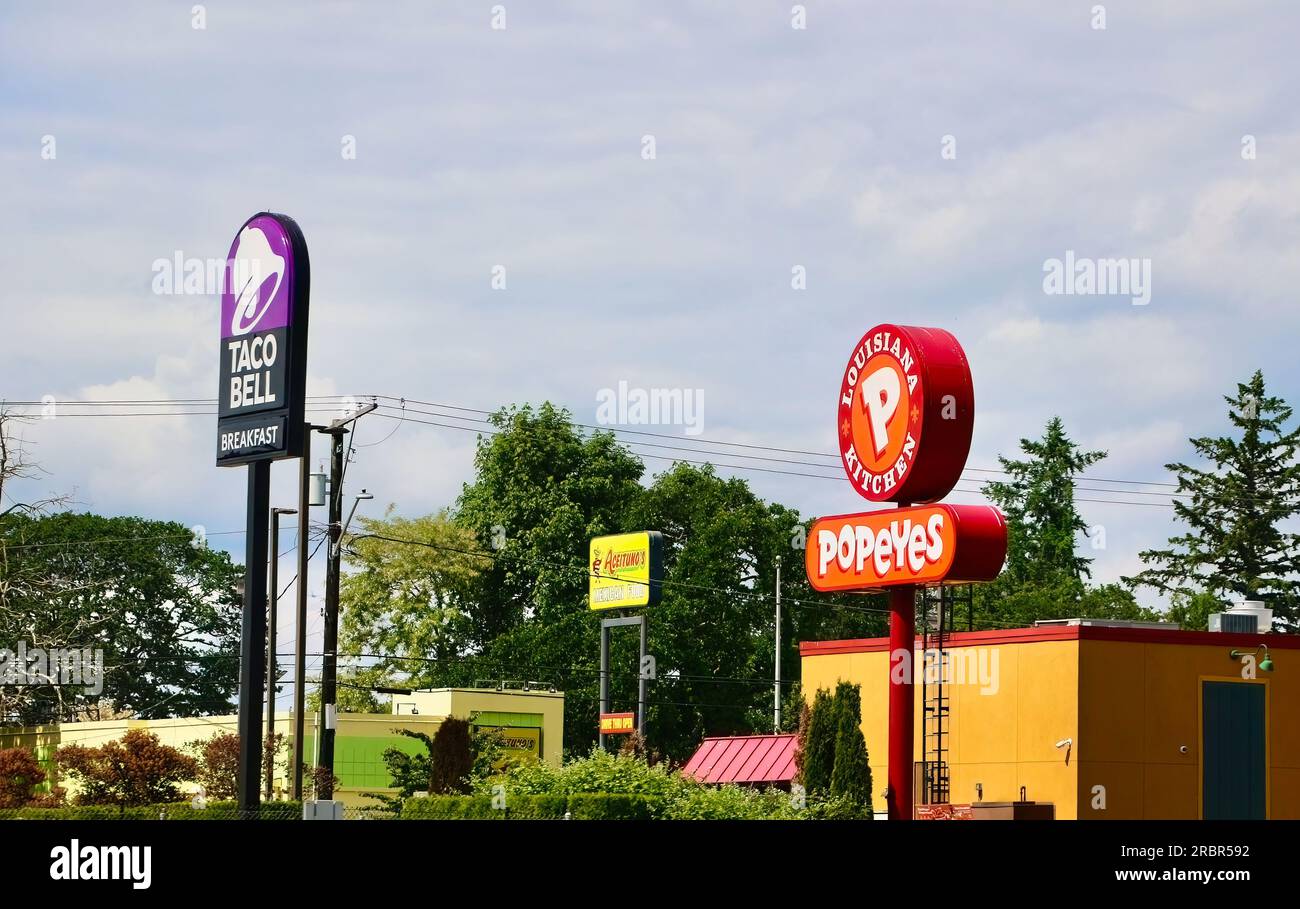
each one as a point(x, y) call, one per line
point(1102, 720)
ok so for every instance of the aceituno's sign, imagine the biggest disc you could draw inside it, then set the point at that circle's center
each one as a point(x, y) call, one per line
point(263, 345)
point(627, 570)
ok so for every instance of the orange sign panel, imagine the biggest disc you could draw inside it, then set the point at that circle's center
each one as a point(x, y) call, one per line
point(617, 723)
point(923, 545)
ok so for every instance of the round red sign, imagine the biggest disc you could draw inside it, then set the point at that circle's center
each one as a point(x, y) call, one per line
point(906, 411)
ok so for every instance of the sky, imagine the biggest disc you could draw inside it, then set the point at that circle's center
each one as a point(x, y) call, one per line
point(650, 181)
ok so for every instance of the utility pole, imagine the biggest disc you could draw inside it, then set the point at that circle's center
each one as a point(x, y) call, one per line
point(329, 663)
point(300, 641)
point(776, 727)
point(273, 601)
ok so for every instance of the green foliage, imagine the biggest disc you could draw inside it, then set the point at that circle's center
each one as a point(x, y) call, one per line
point(1237, 508)
point(1044, 577)
point(144, 593)
point(596, 806)
point(542, 489)
point(1193, 612)
point(1038, 501)
point(598, 772)
point(453, 772)
point(412, 591)
point(354, 694)
point(625, 786)
point(165, 811)
point(851, 775)
point(609, 806)
point(815, 759)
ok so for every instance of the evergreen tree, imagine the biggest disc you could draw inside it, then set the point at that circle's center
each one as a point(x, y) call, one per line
point(1038, 501)
point(815, 759)
point(851, 776)
point(1045, 578)
point(1235, 509)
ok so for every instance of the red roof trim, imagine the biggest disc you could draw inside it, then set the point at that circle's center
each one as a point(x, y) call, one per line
point(744, 759)
point(1066, 633)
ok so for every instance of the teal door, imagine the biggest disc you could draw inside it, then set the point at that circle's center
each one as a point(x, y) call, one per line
point(1233, 784)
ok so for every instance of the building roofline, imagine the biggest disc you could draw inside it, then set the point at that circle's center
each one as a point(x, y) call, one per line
point(1065, 633)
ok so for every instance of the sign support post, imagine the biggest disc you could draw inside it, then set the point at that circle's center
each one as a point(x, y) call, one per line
point(252, 645)
point(262, 365)
point(902, 638)
point(605, 626)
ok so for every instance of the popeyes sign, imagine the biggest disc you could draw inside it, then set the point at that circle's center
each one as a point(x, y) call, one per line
point(906, 546)
point(906, 411)
point(905, 415)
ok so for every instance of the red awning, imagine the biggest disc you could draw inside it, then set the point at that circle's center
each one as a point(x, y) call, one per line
point(744, 759)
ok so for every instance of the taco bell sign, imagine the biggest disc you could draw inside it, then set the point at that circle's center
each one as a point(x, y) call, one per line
point(263, 348)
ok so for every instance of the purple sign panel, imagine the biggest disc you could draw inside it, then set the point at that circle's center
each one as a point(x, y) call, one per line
point(259, 278)
point(263, 342)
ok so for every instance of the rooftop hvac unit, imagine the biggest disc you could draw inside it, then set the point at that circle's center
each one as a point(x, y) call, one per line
point(1246, 617)
point(1234, 622)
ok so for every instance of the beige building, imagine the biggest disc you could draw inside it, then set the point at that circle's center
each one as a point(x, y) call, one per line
point(532, 723)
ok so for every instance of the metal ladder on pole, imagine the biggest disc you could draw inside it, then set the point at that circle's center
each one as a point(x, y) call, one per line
point(937, 611)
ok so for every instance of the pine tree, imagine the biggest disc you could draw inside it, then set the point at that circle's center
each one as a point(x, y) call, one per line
point(1045, 578)
point(815, 759)
point(1235, 547)
point(851, 776)
point(1038, 500)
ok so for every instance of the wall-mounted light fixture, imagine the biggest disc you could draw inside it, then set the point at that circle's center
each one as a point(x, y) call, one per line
point(1265, 665)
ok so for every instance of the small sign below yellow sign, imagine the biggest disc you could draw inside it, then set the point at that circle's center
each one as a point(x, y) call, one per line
point(617, 723)
point(625, 570)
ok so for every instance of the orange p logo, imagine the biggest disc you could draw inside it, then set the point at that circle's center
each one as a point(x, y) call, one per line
point(880, 393)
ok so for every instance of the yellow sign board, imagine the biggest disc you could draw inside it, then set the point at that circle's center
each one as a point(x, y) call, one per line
point(518, 744)
point(625, 570)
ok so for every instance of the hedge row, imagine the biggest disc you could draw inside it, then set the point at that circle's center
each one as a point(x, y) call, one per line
point(177, 811)
point(584, 806)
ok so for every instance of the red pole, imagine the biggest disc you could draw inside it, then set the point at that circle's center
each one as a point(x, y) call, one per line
point(902, 638)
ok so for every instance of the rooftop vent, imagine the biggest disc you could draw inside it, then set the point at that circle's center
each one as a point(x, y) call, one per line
point(1246, 617)
point(1110, 623)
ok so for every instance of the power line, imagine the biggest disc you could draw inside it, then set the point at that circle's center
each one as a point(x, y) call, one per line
point(772, 470)
point(617, 430)
point(805, 604)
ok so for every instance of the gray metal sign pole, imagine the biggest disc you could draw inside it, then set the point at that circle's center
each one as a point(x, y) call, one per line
point(605, 626)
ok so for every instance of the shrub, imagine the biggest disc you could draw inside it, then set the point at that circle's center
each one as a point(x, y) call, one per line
point(20, 774)
point(135, 770)
point(706, 803)
point(451, 757)
point(610, 806)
